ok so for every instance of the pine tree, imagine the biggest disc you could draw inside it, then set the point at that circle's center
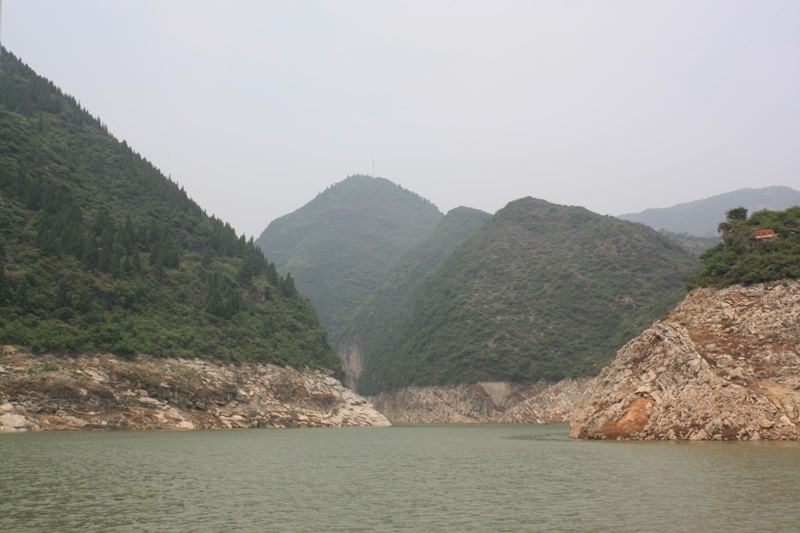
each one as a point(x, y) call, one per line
point(136, 263)
point(129, 236)
point(83, 303)
point(214, 305)
point(207, 257)
point(158, 269)
point(286, 286)
point(5, 291)
point(22, 293)
point(63, 298)
point(90, 256)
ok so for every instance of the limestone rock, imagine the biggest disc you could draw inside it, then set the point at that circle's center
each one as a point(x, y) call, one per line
point(13, 422)
point(106, 392)
point(484, 402)
point(723, 365)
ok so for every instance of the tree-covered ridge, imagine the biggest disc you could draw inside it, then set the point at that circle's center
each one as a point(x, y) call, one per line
point(378, 320)
point(339, 246)
point(542, 291)
point(740, 258)
point(101, 252)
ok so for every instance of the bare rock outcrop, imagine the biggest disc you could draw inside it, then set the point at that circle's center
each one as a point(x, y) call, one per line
point(107, 392)
point(556, 402)
point(350, 353)
point(723, 365)
point(484, 402)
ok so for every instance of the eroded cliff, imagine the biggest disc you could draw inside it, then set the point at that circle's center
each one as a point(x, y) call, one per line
point(722, 365)
point(107, 392)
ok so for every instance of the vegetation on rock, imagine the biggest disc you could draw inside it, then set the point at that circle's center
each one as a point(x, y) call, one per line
point(340, 245)
point(100, 252)
point(740, 258)
point(542, 291)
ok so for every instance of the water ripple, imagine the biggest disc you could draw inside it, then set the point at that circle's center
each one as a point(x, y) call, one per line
point(404, 479)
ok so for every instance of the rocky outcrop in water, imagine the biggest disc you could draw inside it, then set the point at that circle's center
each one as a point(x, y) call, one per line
point(485, 402)
point(107, 392)
point(723, 365)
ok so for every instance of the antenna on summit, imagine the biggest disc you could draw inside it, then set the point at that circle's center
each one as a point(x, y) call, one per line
point(1, 42)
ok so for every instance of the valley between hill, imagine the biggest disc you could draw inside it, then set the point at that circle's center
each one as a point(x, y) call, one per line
point(123, 305)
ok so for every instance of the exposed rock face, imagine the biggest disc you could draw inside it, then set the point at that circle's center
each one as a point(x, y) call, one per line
point(723, 365)
point(106, 392)
point(484, 402)
point(555, 403)
point(351, 354)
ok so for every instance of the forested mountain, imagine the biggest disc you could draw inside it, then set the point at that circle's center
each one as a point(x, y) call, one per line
point(741, 258)
point(542, 291)
point(101, 252)
point(369, 336)
point(701, 217)
point(338, 246)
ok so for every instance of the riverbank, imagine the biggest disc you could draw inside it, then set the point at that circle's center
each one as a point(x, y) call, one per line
point(107, 392)
point(483, 403)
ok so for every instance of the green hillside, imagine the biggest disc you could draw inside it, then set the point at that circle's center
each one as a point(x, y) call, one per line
point(339, 246)
point(377, 321)
point(542, 291)
point(100, 252)
point(700, 218)
point(694, 245)
point(740, 259)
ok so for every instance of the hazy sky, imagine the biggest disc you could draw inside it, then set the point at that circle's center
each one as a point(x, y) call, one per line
point(255, 107)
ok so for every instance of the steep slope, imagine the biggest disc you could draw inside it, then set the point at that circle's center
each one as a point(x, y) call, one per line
point(722, 365)
point(100, 252)
point(700, 218)
point(725, 363)
point(541, 292)
point(339, 246)
point(367, 339)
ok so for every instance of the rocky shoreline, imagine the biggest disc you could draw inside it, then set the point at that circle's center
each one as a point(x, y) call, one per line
point(106, 392)
point(482, 403)
point(722, 365)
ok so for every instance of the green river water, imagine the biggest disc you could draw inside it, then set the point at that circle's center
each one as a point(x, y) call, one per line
point(455, 478)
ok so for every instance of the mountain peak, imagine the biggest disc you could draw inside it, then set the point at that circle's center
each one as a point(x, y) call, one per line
point(340, 244)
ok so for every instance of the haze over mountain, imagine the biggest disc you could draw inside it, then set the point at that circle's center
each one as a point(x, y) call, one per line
point(701, 217)
point(338, 246)
point(100, 252)
point(369, 335)
point(251, 105)
point(542, 291)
